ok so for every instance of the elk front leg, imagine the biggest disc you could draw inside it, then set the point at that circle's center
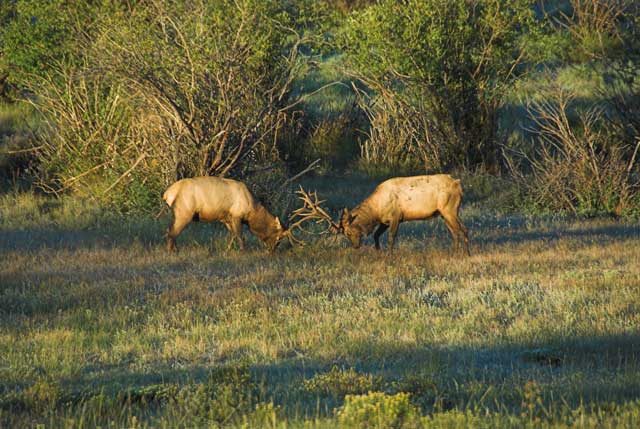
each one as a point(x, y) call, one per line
point(376, 235)
point(235, 229)
point(393, 230)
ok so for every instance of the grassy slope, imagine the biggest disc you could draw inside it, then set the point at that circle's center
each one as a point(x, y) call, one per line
point(98, 324)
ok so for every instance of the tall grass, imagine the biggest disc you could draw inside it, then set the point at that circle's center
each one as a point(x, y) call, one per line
point(100, 327)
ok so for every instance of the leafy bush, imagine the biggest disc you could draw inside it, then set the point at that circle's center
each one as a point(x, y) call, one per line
point(17, 124)
point(227, 392)
point(402, 136)
point(594, 26)
point(444, 67)
point(152, 94)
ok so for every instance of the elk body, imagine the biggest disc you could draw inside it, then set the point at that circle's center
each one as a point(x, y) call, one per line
point(403, 199)
point(225, 200)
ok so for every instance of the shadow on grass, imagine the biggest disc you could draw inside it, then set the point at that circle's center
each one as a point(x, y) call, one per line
point(151, 235)
point(515, 230)
point(569, 371)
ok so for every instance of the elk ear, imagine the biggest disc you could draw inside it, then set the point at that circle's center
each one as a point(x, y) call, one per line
point(345, 216)
point(278, 224)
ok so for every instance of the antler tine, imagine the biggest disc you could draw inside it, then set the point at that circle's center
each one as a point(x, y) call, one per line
point(310, 210)
point(293, 240)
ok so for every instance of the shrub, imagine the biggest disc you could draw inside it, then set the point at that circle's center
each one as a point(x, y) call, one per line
point(378, 410)
point(228, 392)
point(581, 169)
point(339, 382)
point(153, 94)
point(443, 67)
point(595, 26)
point(402, 135)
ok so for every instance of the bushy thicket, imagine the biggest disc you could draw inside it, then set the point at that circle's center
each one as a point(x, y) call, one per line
point(136, 94)
point(577, 164)
point(144, 93)
point(438, 72)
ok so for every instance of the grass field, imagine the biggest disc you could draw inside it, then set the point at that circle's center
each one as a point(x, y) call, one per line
point(540, 327)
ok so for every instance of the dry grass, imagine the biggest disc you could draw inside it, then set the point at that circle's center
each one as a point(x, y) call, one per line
point(539, 326)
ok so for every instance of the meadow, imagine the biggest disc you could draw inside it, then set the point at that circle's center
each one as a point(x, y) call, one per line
point(100, 326)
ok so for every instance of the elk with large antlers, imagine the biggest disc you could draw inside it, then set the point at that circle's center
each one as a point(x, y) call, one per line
point(228, 201)
point(403, 199)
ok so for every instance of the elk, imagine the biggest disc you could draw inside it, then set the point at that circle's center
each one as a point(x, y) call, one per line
point(228, 201)
point(403, 199)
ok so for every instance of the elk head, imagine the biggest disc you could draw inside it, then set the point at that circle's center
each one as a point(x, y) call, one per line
point(350, 229)
point(277, 236)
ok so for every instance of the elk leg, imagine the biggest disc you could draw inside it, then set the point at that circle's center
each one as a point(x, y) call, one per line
point(465, 235)
point(235, 230)
point(453, 229)
point(376, 235)
point(236, 227)
point(176, 227)
point(231, 241)
point(393, 230)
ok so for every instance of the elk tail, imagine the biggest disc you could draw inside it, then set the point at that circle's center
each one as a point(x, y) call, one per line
point(170, 194)
point(457, 186)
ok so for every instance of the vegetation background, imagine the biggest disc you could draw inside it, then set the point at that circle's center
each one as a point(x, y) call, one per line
point(534, 104)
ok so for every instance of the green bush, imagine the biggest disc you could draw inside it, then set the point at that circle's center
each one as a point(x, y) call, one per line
point(338, 383)
point(578, 165)
point(156, 93)
point(378, 410)
point(446, 64)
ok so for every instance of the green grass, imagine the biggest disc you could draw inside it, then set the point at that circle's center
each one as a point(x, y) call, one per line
point(100, 326)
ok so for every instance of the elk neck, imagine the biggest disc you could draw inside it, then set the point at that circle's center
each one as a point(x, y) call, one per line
point(365, 218)
point(262, 223)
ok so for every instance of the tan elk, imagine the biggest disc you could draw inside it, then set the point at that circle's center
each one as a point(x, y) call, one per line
point(228, 201)
point(403, 199)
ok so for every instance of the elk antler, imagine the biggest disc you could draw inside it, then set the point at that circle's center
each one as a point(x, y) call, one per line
point(310, 210)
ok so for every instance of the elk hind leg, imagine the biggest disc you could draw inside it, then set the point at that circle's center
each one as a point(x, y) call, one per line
point(176, 227)
point(452, 227)
point(465, 235)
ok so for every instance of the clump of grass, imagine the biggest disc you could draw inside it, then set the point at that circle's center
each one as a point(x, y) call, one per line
point(378, 410)
point(340, 382)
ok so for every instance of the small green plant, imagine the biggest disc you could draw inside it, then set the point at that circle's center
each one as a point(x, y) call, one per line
point(42, 396)
point(227, 392)
point(378, 410)
point(339, 382)
point(265, 415)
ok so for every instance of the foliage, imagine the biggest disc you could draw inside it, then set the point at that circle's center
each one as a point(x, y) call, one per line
point(165, 91)
point(227, 392)
point(595, 26)
point(18, 126)
point(455, 57)
point(378, 410)
point(37, 35)
point(582, 169)
point(338, 382)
